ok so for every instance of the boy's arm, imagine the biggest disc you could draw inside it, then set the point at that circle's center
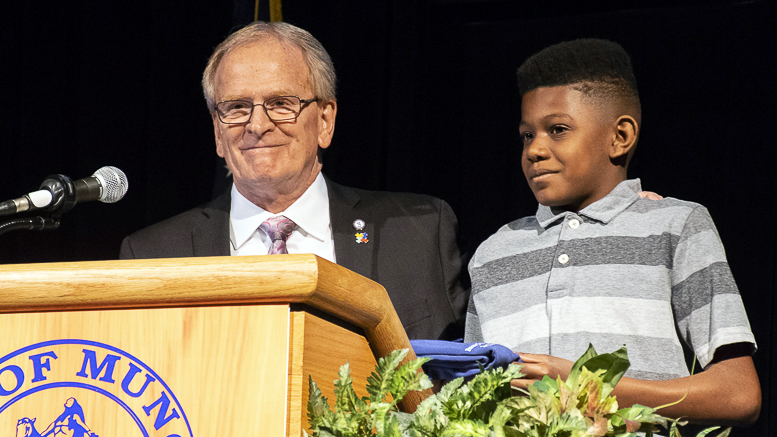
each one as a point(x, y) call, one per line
point(726, 393)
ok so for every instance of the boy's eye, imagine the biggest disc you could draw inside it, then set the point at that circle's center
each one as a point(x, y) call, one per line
point(557, 129)
point(526, 137)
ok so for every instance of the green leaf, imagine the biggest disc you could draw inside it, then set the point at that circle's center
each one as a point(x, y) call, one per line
point(477, 399)
point(448, 389)
point(428, 419)
point(466, 428)
point(324, 433)
point(502, 414)
point(380, 417)
point(724, 433)
point(408, 378)
point(615, 365)
point(391, 428)
point(346, 396)
point(318, 406)
point(379, 382)
point(645, 415)
point(578, 365)
point(546, 385)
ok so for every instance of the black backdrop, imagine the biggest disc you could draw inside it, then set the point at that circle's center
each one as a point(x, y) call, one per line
point(87, 84)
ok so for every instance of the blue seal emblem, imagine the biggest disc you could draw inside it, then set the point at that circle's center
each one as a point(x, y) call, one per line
point(69, 423)
point(85, 376)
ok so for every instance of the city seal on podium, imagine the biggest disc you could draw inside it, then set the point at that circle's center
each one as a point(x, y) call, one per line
point(83, 388)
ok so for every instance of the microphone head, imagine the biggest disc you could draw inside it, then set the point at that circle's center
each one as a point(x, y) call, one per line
point(114, 184)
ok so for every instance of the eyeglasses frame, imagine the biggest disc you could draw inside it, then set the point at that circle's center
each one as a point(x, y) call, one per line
point(302, 104)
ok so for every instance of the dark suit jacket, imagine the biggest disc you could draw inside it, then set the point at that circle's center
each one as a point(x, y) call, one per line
point(411, 251)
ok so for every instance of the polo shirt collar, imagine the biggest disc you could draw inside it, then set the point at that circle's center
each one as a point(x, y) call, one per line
point(603, 210)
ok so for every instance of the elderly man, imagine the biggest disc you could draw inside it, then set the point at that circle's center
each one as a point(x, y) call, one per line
point(270, 89)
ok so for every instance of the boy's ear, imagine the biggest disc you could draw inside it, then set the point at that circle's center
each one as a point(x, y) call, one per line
point(626, 133)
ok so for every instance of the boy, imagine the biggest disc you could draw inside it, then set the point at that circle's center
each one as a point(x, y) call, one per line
point(598, 264)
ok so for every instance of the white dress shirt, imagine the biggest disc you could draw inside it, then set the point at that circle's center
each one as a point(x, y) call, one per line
point(310, 212)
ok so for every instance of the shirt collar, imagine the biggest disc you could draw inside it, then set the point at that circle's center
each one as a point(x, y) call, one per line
point(310, 212)
point(603, 210)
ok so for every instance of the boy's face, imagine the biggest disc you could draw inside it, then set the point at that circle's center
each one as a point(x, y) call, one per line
point(566, 144)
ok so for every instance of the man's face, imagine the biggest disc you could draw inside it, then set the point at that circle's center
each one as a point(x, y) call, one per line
point(271, 158)
point(565, 148)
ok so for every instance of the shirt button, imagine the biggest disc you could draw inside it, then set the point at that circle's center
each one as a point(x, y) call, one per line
point(574, 223)
point(563, 258)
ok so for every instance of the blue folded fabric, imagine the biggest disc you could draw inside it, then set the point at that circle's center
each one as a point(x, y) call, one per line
point(454, 359)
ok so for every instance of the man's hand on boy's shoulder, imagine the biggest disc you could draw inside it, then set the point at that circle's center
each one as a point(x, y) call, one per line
point(536, 366)
point(650, 195)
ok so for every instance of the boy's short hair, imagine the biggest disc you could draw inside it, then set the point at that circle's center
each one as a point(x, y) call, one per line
point(601, 69)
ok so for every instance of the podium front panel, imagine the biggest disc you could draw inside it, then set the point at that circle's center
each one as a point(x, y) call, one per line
point(201, 371)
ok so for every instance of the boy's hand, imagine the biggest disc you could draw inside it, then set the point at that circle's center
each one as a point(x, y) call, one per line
point(535, 366)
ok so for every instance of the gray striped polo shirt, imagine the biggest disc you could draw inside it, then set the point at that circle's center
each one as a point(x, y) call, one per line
point(651, 275)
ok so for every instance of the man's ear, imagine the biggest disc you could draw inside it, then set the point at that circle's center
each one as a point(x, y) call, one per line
point(625, 139)
point(217, 126)
point(326, 123)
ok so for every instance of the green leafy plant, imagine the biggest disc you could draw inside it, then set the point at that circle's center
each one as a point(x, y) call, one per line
point(372, 415)
point(487, 405)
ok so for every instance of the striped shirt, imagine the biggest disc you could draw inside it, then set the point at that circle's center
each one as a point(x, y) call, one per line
point(651, 275)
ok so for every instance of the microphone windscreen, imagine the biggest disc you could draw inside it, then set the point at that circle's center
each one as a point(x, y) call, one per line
point(114, 184)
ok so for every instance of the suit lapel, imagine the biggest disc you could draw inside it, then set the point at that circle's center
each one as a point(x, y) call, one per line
point(343, 211)
point(211, 237)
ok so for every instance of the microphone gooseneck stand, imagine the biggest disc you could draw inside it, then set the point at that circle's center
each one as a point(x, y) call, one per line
point(40, 223)
point(63, 200)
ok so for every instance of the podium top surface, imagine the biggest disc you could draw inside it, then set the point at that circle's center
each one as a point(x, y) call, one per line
point(177, 282)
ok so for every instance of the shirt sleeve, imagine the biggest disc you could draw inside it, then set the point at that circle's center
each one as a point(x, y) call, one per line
point(708, 309)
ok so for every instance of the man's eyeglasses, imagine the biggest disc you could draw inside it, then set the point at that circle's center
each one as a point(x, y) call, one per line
point(281, 108)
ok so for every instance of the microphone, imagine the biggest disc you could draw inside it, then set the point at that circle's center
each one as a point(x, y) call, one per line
point(108, 185)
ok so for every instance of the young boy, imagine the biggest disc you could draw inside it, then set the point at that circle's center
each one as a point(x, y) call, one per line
point(598, 264)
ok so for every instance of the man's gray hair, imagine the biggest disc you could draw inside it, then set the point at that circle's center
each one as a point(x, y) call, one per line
point(320, 68)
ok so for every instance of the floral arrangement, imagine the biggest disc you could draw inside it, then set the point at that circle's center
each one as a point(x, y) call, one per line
point(487, 405)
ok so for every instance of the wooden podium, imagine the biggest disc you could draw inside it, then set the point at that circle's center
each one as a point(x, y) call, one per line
point(183, 347)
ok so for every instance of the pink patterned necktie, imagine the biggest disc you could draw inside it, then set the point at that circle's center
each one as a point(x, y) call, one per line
point(278, 229)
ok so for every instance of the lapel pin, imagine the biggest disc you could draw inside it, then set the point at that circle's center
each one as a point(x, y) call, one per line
point(361, 237)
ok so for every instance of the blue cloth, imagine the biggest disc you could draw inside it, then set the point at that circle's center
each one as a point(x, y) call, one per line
point(454, 359)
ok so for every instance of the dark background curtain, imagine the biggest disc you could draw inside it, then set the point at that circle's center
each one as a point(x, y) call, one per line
point(427, 103)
